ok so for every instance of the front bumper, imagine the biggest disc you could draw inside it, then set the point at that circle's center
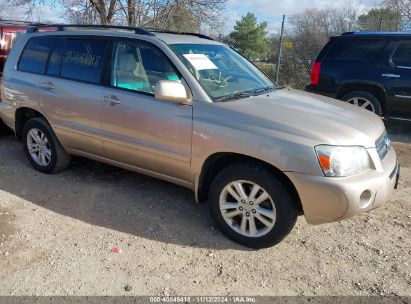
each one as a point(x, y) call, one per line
point(330, 199)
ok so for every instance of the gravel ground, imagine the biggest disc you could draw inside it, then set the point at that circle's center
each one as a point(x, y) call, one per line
point(57, 232)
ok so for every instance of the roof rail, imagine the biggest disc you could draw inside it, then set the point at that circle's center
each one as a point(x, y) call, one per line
point(62, 27)
point(148, 31)
point(156, 30)
point(347, 33)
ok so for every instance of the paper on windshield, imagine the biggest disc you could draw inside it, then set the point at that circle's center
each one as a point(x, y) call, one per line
point(200, 62)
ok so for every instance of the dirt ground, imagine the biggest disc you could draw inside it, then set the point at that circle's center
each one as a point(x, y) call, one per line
point(57, 232)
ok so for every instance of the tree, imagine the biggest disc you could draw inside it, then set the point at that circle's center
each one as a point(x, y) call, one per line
point(249, 37)
point(403, 8)
point(81, 12)
point(170, 14)
point(380, 19)
point(311, 30)
point(326, 22)
point(306, 34)
point(105, 10)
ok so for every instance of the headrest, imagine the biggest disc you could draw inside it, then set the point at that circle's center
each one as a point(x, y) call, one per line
point(126, 62)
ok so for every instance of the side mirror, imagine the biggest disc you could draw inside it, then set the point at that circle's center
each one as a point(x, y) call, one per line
point(171, 90)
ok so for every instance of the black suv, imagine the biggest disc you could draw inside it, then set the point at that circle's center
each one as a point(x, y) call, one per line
point(371, 70)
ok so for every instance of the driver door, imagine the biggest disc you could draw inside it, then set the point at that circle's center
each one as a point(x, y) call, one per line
point(139, 130)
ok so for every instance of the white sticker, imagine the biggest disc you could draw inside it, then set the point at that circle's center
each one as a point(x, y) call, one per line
point(200, 62)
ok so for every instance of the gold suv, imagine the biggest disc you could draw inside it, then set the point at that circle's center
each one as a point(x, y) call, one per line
point(189, 110)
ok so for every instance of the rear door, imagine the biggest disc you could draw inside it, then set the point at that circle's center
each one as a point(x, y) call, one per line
point(72, 90)
point(398, 79)
point(64, 83)
point(138, 129)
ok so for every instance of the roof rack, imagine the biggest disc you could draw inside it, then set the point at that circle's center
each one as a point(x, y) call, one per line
point(148, 31)
point(156, 30)
point(62, 27)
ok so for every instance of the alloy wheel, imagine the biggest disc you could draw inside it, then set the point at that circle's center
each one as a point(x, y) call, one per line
point(39, 147)
point(362, 103)
point(247, 208)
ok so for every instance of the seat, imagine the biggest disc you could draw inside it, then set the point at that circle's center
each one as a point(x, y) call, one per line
point(126, 65)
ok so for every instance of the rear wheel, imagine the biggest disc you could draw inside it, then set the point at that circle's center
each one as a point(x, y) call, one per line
point(251, 205)
point(42, 147)
point(3, 127)
point(364, 100)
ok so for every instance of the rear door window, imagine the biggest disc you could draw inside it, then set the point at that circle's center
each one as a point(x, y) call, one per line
point(358, 49)
point(35, 54)
point(83, 60)
point(402, 55)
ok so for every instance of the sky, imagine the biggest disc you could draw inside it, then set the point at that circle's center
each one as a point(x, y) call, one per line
point(270, 11)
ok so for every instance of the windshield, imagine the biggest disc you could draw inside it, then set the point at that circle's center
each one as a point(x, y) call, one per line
point(222, 72)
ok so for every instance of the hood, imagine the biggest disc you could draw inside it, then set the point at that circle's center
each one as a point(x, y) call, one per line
point(310, 117)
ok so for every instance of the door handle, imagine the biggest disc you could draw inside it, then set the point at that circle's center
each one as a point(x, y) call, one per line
point(47, 85)
point(391, 75)
point(112, 99)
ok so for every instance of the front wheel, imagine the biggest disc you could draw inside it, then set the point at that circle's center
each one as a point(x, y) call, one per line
point(42, 147)
point(251, 205)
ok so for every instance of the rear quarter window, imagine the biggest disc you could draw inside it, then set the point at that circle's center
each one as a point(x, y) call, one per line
point(35, 54)
point(358, 49)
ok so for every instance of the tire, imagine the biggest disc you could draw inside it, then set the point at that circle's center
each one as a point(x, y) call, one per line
point(3, 128)
point(280, 204)
point(365, 100)
point(56, 159)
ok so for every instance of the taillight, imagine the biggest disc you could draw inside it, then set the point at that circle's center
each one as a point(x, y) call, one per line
point(315, 73)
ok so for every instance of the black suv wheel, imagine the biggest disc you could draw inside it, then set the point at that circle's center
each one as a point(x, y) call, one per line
point(364, 100)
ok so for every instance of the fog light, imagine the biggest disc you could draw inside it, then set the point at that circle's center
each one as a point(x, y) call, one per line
point(365, 199)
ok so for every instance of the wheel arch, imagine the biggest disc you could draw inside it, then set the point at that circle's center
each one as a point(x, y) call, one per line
point(373, 88)
point(24, 114)
point(218, 161)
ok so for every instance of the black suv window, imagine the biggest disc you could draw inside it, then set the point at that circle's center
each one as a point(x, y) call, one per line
point(402, 56)
point(358, 49)
point(83, 59)
point(35, 54)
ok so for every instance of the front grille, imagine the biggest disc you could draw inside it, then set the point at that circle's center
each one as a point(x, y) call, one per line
point(383, 145)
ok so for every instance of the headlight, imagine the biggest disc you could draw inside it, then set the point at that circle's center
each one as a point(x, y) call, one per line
point(342, 161)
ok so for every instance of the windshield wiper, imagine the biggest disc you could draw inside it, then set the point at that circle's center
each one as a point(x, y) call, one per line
point(240, 95)
point(234, 96)
point(265, 90)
